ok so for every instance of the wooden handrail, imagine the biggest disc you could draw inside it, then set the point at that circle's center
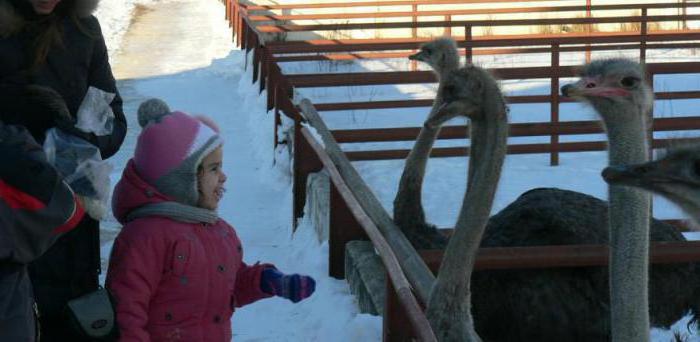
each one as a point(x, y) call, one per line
point(379, 4)
point(413, 266)
point(561, 147)
point(480, 11)
point(413, 77)
point(357, 45)
point(480, 52)
point(473, 23)
point(515, 130)
point(391, 263)
point(417, 103)
point(495, 258)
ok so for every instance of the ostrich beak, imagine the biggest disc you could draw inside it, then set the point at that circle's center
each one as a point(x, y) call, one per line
point(620, 174)
point(650, 175)
point(419, 56)
point(579, 88)
point(591, 87)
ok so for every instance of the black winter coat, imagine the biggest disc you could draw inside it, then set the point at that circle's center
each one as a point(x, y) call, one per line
point(35, 207)
point(71, 266)
point(81, 62)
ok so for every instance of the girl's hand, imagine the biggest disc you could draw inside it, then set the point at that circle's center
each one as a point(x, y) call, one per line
point(294, 287)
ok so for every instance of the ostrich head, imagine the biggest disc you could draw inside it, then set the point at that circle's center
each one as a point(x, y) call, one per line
point(675, 176)
point(468, 91)
point(441, 54)
point(611, 85)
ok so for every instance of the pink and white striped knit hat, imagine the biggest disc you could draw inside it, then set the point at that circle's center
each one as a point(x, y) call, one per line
point(170, 148)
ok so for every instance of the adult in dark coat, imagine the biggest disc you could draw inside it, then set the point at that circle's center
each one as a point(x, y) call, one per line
point(59, 44)
point(36, 206)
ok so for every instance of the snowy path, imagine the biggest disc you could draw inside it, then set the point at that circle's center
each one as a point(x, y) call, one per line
point(181, 51)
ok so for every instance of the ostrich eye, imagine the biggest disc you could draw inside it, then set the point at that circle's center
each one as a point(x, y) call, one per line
point(696, 167)
point(629, 81)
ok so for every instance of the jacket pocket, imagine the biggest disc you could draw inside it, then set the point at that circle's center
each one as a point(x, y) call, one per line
point(181, 257)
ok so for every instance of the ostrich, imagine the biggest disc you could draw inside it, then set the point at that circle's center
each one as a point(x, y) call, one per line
point(441, 54)
point(573, 304)
point(469, 91)
point(676, 176)
point(616, 89)
point(569, 304)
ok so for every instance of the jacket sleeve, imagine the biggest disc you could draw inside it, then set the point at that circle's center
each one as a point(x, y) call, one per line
point(28, 226)
point(101, 77)
point(35, 204)
point(248, 284)
point(135, 269)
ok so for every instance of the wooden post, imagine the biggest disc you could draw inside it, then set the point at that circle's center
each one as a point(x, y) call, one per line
point(305, 162)
point(237, 21)
point(554, 105)
point(264, 64)
point(650, 132)
point(256, 56)
point(643, 40)
point(271, 82)
point(468, 38)
point(343, 227)
point(278, 119)
point(244, 41)
point(395, 327)
point(414, 34)
point(589, 29)
point(414, 30)
point(448, 28)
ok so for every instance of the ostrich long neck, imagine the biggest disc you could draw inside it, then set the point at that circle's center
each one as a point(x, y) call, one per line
point(408, 205)
point(629, 233)
point(489, 133)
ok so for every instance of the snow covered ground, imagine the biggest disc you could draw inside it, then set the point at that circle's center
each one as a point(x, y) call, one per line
point(181, 51)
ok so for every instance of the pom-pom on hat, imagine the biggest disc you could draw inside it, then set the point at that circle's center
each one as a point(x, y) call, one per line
point(170, 148)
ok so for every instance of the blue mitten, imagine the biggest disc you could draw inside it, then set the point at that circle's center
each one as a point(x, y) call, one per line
point(294, 287)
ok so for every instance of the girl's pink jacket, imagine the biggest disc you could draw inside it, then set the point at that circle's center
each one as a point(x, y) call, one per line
point(171, 280)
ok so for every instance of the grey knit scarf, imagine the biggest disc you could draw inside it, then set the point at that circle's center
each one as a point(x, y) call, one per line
point(176, 211)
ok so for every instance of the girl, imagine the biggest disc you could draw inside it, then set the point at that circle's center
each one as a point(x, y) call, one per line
point(177, 270)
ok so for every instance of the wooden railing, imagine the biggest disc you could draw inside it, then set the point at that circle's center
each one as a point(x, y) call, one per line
point(374, 220)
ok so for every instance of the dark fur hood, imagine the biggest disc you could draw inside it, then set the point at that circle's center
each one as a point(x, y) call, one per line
point(11, 19)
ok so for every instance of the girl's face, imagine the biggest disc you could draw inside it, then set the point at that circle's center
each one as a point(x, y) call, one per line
point(210, 180)
point(44, 6)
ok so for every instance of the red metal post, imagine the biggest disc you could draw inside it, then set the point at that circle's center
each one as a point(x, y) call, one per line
point(554, 105)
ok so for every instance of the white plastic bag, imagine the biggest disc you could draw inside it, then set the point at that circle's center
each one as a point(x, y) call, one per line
point(95, 115)
point(83, 168)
